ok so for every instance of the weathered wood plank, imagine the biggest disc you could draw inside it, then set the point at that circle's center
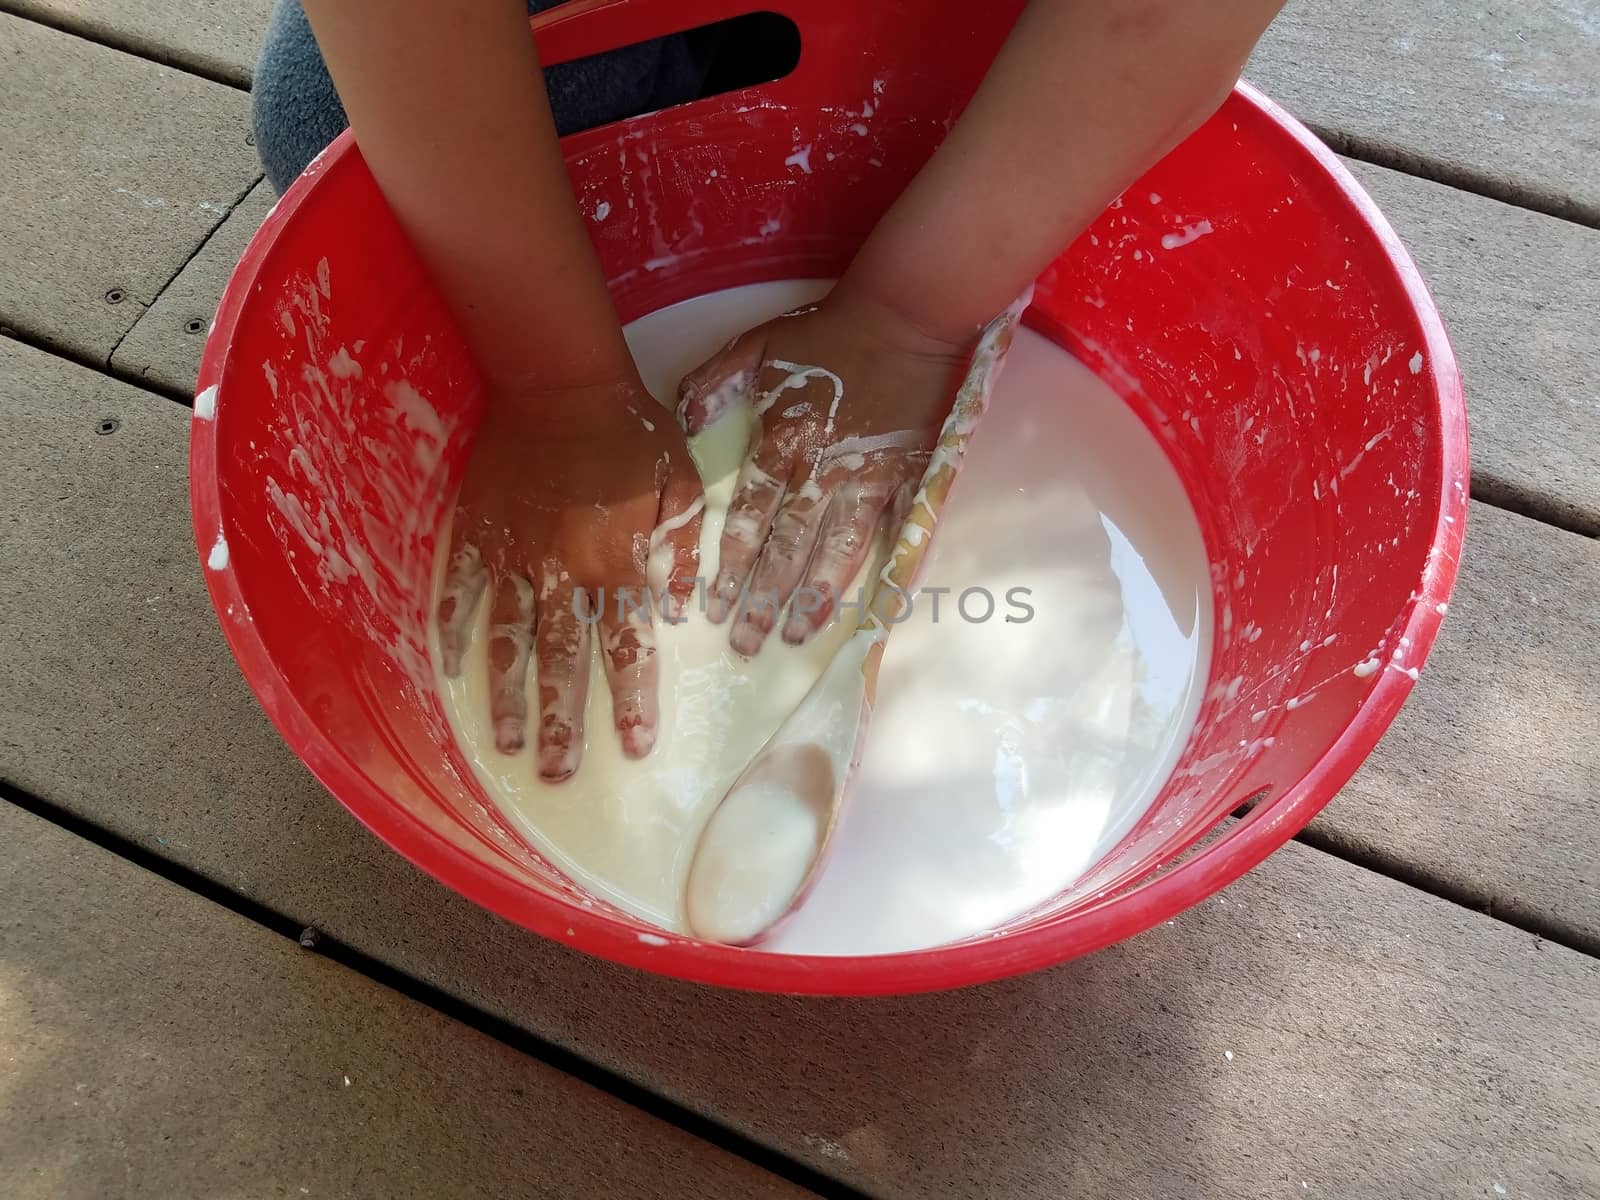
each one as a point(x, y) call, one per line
point(1384, 1042)
point(1495, 92)
point(217, 38)
point(115, 170)
point(1498, 96)
point(157, 1045)
point(165, 344)
point(1519, 292)
point(1489, 777)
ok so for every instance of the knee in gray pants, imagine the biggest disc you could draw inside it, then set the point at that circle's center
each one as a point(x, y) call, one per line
point(296, 111)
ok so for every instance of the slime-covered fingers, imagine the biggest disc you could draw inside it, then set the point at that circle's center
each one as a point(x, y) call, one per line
point(773, 521)
point(464, 581)
point(844, 539)
point(562, 650)
point(628, 653)
point(672, 567)
point(755, 502)
point(510, 647)
point(783, 561)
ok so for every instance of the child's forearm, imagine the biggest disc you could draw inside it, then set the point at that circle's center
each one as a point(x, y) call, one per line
point(1083, 98)
point(448, 105)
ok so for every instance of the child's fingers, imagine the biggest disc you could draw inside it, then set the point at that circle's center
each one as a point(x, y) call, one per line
point(843, 542)
point(628, 649)
point(673, 568)
point(562, 650)
point(783, 560)
point(719, 383)
point(755, 501)
point(510, 644)
point(464, 581)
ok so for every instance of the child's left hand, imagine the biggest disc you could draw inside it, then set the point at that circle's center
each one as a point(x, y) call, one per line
point(573, 505)
point(850, 400)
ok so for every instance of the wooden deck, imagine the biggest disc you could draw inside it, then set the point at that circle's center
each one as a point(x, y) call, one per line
point(1404, 1002)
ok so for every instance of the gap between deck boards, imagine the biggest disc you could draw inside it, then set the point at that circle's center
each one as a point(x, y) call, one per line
point(541, 1049)
point(1547, 929)
point(1351, 145)
point(123, 46)
point(136, 379)
point(313, 940)
point(1462, 179)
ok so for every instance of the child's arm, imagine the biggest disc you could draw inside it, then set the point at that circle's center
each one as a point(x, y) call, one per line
point(448, 104)
point(568, 477)
point(1084, 96)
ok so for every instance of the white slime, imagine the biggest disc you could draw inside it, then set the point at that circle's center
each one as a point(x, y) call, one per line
point(760, 845)
point(1007, 753)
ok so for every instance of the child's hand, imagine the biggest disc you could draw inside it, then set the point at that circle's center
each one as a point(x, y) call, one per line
point(571, 515)
point(851, 400)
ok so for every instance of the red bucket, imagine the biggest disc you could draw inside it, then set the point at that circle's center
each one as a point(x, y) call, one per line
point(1245, 298)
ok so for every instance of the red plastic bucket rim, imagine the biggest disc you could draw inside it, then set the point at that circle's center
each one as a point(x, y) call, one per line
point(1108, 919)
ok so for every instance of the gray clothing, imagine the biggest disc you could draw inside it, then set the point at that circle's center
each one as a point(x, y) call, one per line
point(296, 112)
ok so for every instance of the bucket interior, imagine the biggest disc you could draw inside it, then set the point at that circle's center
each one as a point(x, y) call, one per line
point(1237, 298)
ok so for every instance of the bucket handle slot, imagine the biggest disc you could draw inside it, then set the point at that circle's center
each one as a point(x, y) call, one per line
point(945, 45)
point(581, 28)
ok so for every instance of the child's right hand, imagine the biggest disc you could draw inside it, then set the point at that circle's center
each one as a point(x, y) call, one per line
point(851, 399)
point(570, 499)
